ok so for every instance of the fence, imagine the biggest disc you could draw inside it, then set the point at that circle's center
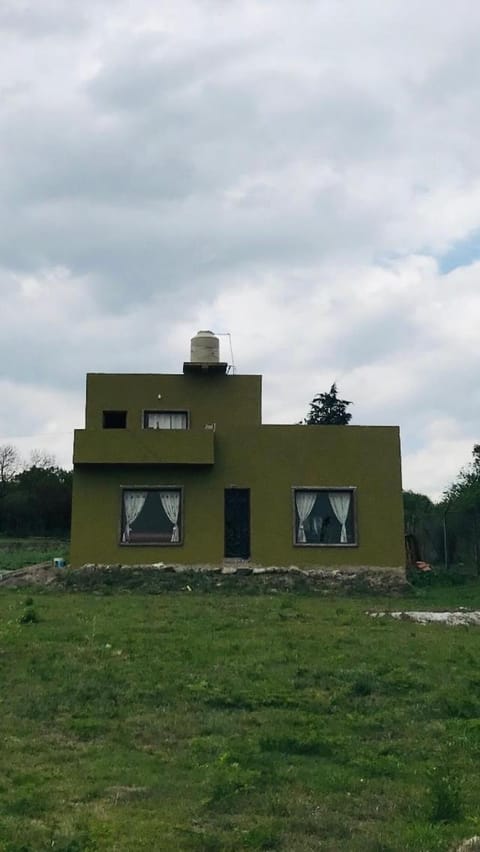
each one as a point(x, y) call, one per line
point(445, 537)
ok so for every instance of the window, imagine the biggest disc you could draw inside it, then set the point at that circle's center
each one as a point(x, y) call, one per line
point(324, 516)
point(152, 516)
point(114, 419)
point(165, 420)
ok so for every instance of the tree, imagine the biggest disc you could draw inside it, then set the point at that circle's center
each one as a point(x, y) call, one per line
point(37, 502)
point(35, 499)
point(464, 493)
point(40, 458)
point(9, 462)
point(326, 409)
point(461, 508)
point(416, 508)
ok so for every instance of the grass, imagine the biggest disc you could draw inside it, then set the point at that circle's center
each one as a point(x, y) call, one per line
point(18, 552)
point(204, 722)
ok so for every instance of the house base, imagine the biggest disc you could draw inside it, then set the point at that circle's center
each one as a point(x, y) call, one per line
point(241, 575)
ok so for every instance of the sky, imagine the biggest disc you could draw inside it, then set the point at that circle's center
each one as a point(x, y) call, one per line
point(301, 174)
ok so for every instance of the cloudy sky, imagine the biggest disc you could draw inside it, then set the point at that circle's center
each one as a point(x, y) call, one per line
point(304, 174)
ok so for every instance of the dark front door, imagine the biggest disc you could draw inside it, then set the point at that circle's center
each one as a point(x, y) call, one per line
point(237, 523)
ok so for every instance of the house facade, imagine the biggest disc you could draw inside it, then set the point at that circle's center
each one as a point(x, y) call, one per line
point(180, 469)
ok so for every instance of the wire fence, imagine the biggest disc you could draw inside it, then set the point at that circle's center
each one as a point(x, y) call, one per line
point(448, 538)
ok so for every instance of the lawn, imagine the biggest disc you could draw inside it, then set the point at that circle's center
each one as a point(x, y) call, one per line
point(18, 552)
point(188, 721)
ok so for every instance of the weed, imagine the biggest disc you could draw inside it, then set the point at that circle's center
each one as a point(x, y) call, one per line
point(30, 616)
point(446, 803)
point(79, 843)
point(261, 838)
point(363, 685)
point(304, 745)
point(458, 704)
point(200, 840)
point(32, 805)
point(230, 779)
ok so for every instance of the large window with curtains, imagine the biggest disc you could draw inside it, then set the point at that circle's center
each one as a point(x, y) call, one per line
point(325, 516)
point(152, 516)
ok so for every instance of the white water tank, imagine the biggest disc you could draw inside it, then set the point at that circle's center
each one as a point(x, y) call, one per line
point(205, 348)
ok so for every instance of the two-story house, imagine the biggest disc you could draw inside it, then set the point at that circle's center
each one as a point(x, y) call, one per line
point(180, 469)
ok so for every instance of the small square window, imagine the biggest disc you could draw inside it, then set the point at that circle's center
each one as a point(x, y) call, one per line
point(324, 516)
point(165, 420)
point(114, 419)
point(152, 516)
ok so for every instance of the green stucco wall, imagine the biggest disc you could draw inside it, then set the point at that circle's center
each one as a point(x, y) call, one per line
point(225, 400)
point(269, 460)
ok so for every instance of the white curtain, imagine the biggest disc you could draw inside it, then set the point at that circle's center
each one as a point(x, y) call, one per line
point(340, 503)
point(166, 420)
point(157, 420)
point(133, 502)
point(305, 501)
point(178, 421)
point(171, 507)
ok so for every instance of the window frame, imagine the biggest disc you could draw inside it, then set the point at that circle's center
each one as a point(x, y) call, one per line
point(147, 411)
point(135, 487)
point(352, 489)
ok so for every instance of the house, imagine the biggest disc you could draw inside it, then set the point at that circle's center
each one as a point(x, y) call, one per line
point(180, 469)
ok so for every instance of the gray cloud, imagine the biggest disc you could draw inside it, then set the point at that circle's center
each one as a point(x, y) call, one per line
point(291, 178)
point(54, 18)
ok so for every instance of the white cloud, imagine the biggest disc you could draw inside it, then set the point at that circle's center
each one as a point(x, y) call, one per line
point(439, 460)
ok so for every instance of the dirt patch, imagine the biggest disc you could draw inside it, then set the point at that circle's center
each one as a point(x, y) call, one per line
point(40, 574)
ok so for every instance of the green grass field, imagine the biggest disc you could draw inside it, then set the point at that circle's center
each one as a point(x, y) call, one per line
point(233, 722)
point(18, 552)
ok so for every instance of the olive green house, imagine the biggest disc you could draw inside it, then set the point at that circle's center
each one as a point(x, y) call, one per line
point(180, 469)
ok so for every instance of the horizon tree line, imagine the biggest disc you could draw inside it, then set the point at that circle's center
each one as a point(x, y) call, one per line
point(35, 495)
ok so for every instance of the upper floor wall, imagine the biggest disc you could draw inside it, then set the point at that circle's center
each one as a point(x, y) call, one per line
point(227, 401)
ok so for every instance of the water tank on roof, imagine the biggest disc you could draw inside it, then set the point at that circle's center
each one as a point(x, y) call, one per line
point(205, 348)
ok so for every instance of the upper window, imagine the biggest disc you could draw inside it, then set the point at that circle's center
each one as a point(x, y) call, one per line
point(151, 516)
point(165, 420)
point(325, 516)
point(114, 419)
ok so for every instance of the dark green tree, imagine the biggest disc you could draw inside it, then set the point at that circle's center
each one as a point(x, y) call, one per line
point(461, 508)
point(464, 493)
point(37, 501)
point(327, 410)
point(416, 508)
